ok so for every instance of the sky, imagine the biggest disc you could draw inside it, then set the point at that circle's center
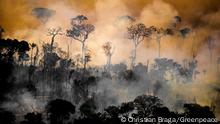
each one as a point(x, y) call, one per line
point(201, 16)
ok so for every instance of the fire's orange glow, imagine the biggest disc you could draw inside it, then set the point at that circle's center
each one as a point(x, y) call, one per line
point(202, 16)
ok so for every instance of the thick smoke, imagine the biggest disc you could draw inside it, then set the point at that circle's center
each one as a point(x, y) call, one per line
point(201, 16)
point(43, 14)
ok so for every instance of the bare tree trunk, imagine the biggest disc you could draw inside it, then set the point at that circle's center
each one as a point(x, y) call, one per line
point(84, 66)
point(108, 64)
point(159, 46)
point(31, 55)
point(36, 54)
point(69, 45)
point(68, 51)
point(83, 53)
point(159, 49)
point(52, 42)
point(134, 54)
point(147, 65)
point(83, 56)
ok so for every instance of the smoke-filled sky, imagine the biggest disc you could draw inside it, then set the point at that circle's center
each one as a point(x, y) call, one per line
point(201, 16)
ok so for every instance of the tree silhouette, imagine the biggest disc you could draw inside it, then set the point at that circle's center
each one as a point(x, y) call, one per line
point(32, 66)
point(112, 115)
point(88, 108)
point(1, 32)
point(137, 33)
point(119, 69)
point(87, 59)
point(124, 21)
point(80, 31)
point(125, 108)
point(59, 110)
point(36, 56)
point(8, 48)
point(49, 58)
point(33, 118)
point(23, 47)
point(195, 110)
point(108, 50)
point(177, 29)
point(158, 33)
point(6, 117)
point(177, 21)
point(33, 45)
point(77, 59)
point(210, 45)
point(146, 105)
point(53, 32)
point(184, 32)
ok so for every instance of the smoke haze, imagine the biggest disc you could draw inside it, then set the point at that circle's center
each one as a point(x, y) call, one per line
point(201, 16)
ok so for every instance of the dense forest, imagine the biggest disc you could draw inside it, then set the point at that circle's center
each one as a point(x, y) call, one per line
point(46, 84)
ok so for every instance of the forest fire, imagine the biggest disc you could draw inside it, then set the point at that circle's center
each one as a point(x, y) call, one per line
point(95, 61)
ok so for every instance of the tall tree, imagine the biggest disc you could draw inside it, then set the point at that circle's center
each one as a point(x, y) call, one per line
point(108, 50)
point(36, 55)
point(137, 33)
point(53, 32)
point(59, 110)
point(33, 45)
point(77, 60)
point(87, 59)
point(80, 31)
point(158, 33)
point(1, 32)
point(210, 45)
